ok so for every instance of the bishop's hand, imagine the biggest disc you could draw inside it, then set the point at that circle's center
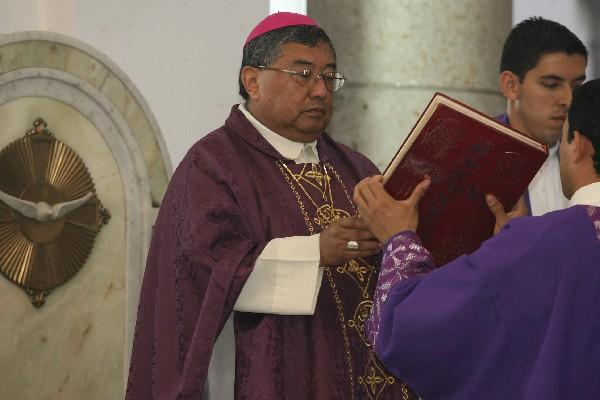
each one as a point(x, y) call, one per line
point(345, 239)
point(42, 211)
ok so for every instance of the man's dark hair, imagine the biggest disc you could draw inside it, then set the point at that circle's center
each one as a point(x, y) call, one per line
point(584, 116)
point(533, 38)
point(266, 48)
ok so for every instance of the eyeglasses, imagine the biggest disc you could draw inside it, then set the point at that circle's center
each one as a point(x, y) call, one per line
point(333, 80)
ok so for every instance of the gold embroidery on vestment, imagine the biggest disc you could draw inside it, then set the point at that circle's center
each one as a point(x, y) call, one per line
point(375, 379)
point(361, 315)
point(360, 271)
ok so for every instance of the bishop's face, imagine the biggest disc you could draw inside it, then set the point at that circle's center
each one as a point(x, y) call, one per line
point(296, 110)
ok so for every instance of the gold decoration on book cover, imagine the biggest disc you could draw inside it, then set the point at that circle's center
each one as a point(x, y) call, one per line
point(49, 213)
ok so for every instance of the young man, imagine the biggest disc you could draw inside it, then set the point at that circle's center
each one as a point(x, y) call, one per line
point(518, 318)
point(257, 224)
point(542, 63)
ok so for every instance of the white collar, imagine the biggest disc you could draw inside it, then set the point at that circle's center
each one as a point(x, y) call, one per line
point(588, 195)
point(553, 150)
point(287, 148)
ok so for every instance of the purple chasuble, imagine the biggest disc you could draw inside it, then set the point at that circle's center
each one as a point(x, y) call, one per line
point(228, 198)
point(517, 319)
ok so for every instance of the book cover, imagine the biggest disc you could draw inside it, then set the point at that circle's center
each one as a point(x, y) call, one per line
point(467, 155)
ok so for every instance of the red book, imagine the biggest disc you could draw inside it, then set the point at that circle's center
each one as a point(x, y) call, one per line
point(467, 155)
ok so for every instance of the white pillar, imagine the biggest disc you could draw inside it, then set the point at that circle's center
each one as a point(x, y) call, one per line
point(297, 6)
point(397, 53)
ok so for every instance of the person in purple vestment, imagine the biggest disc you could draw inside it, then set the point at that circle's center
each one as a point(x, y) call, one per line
point(257, 257)
point(542, 63)
point(516, 319)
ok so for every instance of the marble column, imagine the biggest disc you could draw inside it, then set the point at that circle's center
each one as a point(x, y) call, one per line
point(397, 53)
point(591, 9)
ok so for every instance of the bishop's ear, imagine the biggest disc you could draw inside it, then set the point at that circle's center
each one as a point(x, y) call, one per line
point(249, 77)
point(509, 85)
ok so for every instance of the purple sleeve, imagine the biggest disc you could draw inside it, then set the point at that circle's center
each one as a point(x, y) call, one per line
point(594, 214)
point(403, 257)
point(492, 324)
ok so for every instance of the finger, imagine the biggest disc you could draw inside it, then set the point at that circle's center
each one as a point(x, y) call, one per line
point(360, 225)
point(359, 197)
point(379, 191)
point(370, 190)
point(368, 245)
point(363, 214)
point(350, 225)
point(375, 181)
point(363, 192)
point(419, 191)
point(360, 186)
point(521, 207)
point(366, 234)
point(497, 209)
point(360, 230)
point(358, 235)
point(364, 184)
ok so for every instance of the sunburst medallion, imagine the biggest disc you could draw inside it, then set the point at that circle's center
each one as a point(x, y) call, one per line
point(49, 213)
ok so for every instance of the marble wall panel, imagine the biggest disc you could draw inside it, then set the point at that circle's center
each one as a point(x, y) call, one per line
point(116, 91)
point(78, 345)
point(75, 343)
point(54, 51)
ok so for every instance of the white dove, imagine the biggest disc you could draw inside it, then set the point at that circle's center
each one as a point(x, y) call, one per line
point(42, 211)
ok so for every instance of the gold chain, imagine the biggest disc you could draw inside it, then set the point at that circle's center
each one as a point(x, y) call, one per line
point(280, 164)
point(339, 305)
point(403, 387)
point(336, 296)
point(337, 176)
point(327, 184)
point(340, 309)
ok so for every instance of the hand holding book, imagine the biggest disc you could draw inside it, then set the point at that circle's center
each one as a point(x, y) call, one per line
point(467, 155)
point(503, 217)
point(384, 215)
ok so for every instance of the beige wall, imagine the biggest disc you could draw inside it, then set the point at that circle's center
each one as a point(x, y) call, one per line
point(183, 55)
point(184, 59)
point(580, 16)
